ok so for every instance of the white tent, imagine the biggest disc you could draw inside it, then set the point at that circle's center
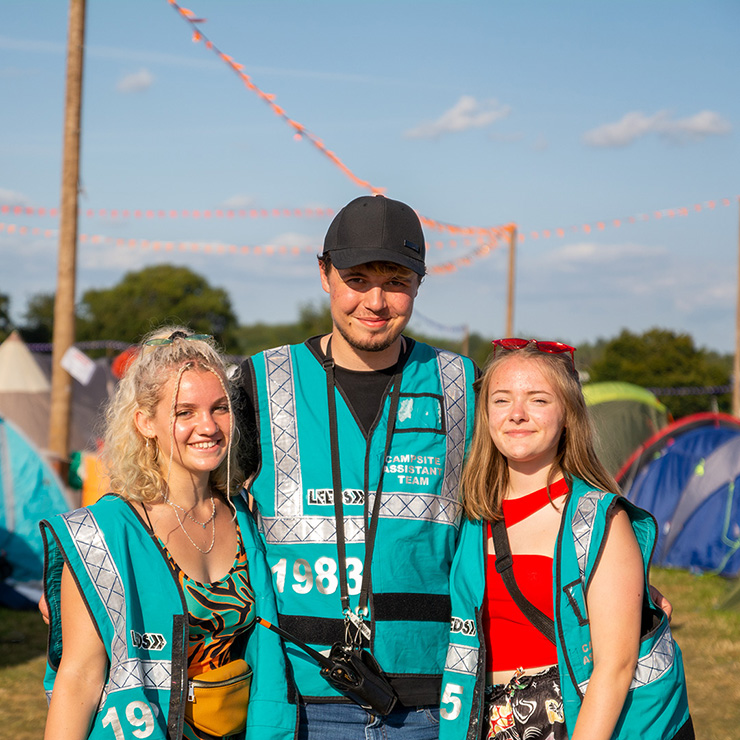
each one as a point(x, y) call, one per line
point(25, 395)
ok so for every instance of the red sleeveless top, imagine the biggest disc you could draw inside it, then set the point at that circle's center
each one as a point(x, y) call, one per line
point(516, 641)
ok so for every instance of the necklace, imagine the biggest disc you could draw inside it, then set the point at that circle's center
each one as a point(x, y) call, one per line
point(182, 527)
point(190, 516)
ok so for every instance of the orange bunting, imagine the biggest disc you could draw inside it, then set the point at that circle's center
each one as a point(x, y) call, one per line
point(618, 222)
point(482, 250)
point(269, 98)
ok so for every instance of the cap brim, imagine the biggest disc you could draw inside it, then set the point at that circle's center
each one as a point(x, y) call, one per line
point(345, 258)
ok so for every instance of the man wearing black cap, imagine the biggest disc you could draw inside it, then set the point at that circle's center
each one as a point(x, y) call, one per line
point(385, 420)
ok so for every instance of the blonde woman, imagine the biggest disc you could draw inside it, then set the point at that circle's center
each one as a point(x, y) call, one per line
point(154, 590)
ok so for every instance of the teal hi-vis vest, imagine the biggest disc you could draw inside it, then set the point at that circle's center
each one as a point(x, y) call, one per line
point(419, 513)
point(656, 707)
point(140, 613)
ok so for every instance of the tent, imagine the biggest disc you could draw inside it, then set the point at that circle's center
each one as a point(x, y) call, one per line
point(688, 477)
point(25, 395)
point(624, 416)
point(29, 491)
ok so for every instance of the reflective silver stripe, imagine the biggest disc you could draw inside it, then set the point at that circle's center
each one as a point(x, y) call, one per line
point(653, 665)
point(95, 555)
point(296, 530)
point(454, 388)
point(583, 521)
point(419, 506)
point(413, 506)
point(151, 674)
point(462, 659)
point(284, 431)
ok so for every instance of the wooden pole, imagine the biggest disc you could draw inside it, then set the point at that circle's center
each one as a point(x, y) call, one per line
point(64, 302)
point(512, 273)
point(736, 364)
point(466, 341)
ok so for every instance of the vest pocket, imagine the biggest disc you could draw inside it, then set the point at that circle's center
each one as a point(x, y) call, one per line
point(420, 412)
point(577, 600)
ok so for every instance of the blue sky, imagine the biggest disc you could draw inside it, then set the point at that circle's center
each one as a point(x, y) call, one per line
point(547, 115)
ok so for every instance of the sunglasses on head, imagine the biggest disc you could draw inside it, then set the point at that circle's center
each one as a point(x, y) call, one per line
point(553, 348)
point(177, 335)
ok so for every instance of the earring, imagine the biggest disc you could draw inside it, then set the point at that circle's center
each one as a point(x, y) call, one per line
point(155, 453)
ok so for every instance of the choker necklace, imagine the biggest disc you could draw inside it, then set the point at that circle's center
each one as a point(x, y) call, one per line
point(190, 516)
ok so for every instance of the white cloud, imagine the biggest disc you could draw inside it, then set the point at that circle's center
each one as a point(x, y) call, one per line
point(239, 201)
point(697, 127)
point(294, 239)
point(636, 124)
point(624, 132)
point(467, 113)
point(12, 198)
point(573, 256)
point(135, 81)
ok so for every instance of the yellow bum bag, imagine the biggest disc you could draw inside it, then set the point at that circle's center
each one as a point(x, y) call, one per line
point(217, 699)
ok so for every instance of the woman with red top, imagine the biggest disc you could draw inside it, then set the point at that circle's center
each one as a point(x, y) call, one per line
point(530, 457)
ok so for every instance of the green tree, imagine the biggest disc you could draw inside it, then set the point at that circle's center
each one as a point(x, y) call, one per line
point(6, 325)
point(313, 319)
point(39, 318)
point(154, 296)
point(660, 358)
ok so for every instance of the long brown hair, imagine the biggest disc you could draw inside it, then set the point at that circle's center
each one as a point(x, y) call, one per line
point(485, 477)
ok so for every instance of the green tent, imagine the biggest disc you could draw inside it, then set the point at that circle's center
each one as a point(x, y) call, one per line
point(624, 416)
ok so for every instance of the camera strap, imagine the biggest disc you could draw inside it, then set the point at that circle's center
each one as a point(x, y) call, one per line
point(371, 525)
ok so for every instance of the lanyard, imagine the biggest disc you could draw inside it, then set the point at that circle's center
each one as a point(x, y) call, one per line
point(339, 504)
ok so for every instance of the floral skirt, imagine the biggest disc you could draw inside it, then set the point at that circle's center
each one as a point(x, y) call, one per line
point(527, 708)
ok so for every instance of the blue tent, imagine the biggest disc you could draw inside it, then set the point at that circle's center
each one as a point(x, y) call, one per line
point(29, 491)
point(688, 477)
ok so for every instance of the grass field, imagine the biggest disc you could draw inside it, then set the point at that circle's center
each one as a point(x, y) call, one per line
point(709, 639)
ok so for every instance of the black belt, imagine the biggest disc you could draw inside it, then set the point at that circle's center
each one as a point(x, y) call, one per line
point(386, 608)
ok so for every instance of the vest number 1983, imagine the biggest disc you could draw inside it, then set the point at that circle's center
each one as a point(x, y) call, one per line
point(323, 575)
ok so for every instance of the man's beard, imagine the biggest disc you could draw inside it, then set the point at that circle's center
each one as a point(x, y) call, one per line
point(371, 344)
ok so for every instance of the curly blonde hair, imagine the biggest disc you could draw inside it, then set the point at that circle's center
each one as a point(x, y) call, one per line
point(485, 476)
point(131, 461)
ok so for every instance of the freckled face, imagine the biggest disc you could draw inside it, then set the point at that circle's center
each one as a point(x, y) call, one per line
point(202, 423)
point(525, 415)
point(368, 309)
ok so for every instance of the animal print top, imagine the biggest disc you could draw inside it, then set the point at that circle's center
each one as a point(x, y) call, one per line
point(221, 615)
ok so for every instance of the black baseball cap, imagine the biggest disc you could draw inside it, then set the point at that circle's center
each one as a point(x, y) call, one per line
point(373, 228)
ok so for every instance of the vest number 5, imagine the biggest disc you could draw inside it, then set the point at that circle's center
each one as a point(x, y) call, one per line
point(323, 575)
point(452, 695)
point(138, 715)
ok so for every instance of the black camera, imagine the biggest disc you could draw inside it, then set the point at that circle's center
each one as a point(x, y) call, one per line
point(356, 673)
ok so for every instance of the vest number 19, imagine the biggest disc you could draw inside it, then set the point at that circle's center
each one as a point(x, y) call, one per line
point(138, 714)
point(323, 575)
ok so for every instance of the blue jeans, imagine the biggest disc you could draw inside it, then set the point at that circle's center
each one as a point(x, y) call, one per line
point(350, 722)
